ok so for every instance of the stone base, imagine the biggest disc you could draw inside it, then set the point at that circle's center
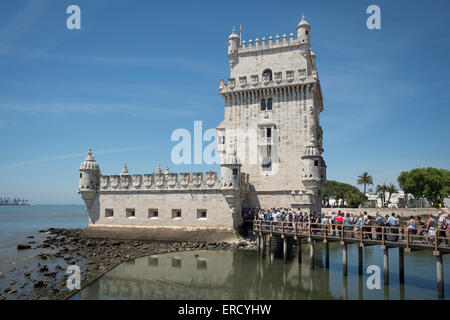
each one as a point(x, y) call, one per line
point(162, 234)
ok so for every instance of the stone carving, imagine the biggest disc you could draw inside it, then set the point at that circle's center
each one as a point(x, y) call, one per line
point(211, 178)
point(266, 79)
point(137, 180)
point(197, 178)
point(302, 74)
point(231, 83)
point(148, 180)
point(254, 80)
point(171, 180)
point(289, 76)
point(125, 180)
point(242, 81)
point(104, 182)
point(184, 179)
point(114, 181)
point(278, 77)
point(159, 180)
point(221, 84)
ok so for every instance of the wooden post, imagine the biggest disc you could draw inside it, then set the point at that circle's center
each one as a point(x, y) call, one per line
point(440, 275)
point(401, 265)
point(344, 259)
point(360, 260)
point(311, 253)
point(299, 250)
point(382, 236)
point(285, 249)
point(263, 249)
point(258, 239)
point(327, 255)
point(386, 264)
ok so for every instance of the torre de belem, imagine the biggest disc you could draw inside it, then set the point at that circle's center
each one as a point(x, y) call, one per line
point(269, 144)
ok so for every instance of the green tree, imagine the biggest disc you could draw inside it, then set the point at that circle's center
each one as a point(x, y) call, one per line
point(344, 191)
point(365, 179)
point(429, 183)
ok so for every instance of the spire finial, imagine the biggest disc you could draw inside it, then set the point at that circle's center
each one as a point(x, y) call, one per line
point(303, 17)
point(167, 169)
point(90, 152)
point(125, 170)
point(159, 168)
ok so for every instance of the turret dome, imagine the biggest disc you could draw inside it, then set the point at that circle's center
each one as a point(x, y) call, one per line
point(89, 163)
point(303, 22)
point(233, 35)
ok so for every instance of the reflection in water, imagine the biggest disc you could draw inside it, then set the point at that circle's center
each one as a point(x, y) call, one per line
point(242, 274)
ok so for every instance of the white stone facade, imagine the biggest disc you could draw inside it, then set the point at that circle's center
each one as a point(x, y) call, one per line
point(270, 145)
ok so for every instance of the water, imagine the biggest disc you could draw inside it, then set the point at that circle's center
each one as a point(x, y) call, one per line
point(241, 274)
point(18, 222)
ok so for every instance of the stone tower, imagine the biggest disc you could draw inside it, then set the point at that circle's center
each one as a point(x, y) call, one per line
point(273, 100)
point(89, 181)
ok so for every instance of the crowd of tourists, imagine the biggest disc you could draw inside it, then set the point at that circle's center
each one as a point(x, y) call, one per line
point(371, 227)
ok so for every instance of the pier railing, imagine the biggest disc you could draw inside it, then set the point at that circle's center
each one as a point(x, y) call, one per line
point(409, 238)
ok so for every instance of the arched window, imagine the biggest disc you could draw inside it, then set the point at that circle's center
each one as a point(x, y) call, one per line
point(267, 73)
point(235, 172)
point(269, 104)
point(263, 104)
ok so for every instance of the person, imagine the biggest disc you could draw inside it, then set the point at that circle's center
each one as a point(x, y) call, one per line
point(421, 225)
point(333, 222)
point(430, 227)
point(339, 221)
point(348, 227)
point(442, 225)
point(412, 230)
point(379, 223)
point(367, 228)
point(393, 223)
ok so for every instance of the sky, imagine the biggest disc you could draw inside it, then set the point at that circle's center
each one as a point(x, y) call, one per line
point(138, 70)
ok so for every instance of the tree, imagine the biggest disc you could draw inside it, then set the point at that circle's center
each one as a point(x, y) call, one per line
point(344, 191)
point(390, 190)
point(429, 183)
point(365, 179)
point(381, 191)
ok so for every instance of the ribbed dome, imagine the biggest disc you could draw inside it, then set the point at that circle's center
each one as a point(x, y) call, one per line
point(303, 22)
point(311, 151)
point(233, 34)
point(125, 170)
point(89, 163)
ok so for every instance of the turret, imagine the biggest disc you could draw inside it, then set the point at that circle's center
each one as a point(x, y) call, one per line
point(303, 29)
point(230, 171)
point(312, 163)
point(233, 46)
point(89, 179)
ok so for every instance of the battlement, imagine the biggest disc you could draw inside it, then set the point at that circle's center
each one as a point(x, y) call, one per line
point(271, 44)
point(256, 82)
point(166, 181)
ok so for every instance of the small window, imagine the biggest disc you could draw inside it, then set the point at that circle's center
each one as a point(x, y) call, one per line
point(269, 132)
point(235, 172)
point(316, 163)
point(201, 214)
point(267, 164)
point(222, 140)
point(176, 213)
point(306, 32)
point(202, 264)
point(130, 213)
point(176, 262)
point(269, 104)
point(153, 213)
point(263, 104)
point(109, 213)
point(81, 175)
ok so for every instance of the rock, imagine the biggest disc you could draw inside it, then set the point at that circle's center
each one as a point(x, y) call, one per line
point(23, 246)
point(31, 242)
point(27, 274)
point(12, 291)
point(7, 290)
point(43, 269)
point(22, 285)
point(42, 231)
point(2, 297)
point(30, 237)
point(242, 243)
point(39, 284)
point(2, 275)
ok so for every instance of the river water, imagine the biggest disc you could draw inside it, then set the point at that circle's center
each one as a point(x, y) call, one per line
point(241, 274)
point(18, 222)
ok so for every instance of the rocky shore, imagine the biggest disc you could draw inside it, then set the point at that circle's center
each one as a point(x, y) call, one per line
point(45, 277)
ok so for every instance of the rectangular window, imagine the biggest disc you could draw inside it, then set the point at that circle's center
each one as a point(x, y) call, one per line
point(316, 163)
point(201, 214)
point(269, 132)
point(109, 213)
point(130, 213)
point(153, 213)
point(176, 213)
point(222, 140)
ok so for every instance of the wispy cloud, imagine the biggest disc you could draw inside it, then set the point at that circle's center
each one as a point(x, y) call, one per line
point(66, 156)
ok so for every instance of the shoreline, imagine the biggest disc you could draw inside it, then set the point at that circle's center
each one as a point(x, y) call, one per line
point(44, 275)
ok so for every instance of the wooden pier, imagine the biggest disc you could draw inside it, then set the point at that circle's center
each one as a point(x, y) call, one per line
point(402, 238)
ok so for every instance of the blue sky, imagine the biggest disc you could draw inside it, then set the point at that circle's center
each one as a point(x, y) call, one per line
point(137, 70)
